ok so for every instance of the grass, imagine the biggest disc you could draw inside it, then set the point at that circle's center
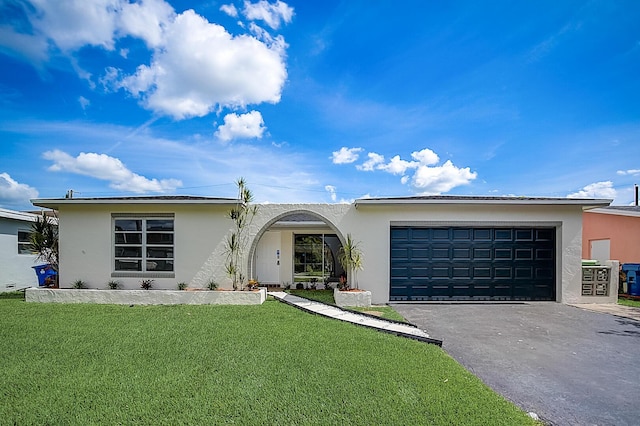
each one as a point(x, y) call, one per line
point(271, 364)
point(386, 312)
point(326, 296)
point(12, 295)
point(629, 302)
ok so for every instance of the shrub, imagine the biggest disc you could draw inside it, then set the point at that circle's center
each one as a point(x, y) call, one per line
point(113, 284)
point(146, 284)
point(212, 285)
point(182, 286)
point(79, 284)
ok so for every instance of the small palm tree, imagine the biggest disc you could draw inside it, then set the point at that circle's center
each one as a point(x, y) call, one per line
point(350, 257)
point(44, 240)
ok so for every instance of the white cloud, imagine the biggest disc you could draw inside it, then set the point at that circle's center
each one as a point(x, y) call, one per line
point(201, 66)
point(373, 162)
point(427, 178)
point(13, 193)
point(436, 180)
point(195, 67)
point(104, 167)
point(84, 102)
point(272, 14)
point(146, 20)
point(345, 155)
point(230, 10)
point(397, 166)
point(631, 172)
point(426, 157)
point(332, 191)
point(596, 190)
point(32, 48)
point(244, 126)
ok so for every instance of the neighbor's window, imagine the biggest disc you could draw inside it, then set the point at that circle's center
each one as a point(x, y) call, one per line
point(24, 243)
point(143, 245)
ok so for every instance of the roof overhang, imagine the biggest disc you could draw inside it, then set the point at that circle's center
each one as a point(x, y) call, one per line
point(505, 201)
point(16, 215)
point(55, 203)
point(616, 212)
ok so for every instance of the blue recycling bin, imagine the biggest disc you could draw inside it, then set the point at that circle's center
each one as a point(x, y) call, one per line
point(632, 271)
point(46, 274)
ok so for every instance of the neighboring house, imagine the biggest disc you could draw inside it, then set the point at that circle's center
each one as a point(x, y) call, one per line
point(415, 248)
point(16, 257)
point(612, 233)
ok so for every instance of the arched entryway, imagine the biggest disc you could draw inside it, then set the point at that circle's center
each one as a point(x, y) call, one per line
point(296, 248)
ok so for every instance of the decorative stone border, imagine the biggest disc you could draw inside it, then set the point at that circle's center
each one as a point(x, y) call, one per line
point(146, 297)
point(352, 298)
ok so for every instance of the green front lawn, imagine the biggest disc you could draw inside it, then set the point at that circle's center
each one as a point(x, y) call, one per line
point(324, 296)
point(629, 302)
point(66, 364)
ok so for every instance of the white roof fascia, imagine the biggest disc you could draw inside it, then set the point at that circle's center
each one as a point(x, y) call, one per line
point(616, 212)
point(16, 215)
point(55, 203)
point(587, 204)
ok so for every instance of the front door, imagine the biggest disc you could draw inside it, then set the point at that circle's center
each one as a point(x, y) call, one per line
point(268, 258)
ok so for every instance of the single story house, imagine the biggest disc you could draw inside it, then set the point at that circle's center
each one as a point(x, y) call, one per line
point(612, 232)
point(16, 257)
point(424, 248)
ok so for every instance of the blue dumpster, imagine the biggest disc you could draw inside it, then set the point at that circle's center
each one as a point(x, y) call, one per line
point(632, 271)
point(46, 274)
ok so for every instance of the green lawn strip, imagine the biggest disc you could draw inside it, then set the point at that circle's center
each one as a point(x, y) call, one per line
point(269, 364)
point(12, 295)
point(629, 302)
point(386, 312)
point(324, 296)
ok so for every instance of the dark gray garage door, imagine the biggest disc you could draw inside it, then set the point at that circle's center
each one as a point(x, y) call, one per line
point(472, 263)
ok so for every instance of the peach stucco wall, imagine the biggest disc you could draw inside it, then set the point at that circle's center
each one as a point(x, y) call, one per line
point(622, 231)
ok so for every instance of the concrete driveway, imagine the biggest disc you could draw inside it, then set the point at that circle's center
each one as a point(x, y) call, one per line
point(568, 365)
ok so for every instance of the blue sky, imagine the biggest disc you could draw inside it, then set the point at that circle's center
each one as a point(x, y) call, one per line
point(319, 101)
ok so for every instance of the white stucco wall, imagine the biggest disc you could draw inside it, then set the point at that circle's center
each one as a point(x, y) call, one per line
point(16, 270)
point(370, 225)
point(86, 236)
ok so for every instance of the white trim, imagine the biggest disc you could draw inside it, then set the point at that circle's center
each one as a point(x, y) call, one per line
point(616, 212)
point(16, 215)
point(586, 203)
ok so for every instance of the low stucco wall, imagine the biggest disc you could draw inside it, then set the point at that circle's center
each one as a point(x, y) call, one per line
point(352, 298)
point(146, 297)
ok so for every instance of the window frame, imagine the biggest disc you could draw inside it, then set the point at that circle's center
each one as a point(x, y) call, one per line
point(26, 243)
point(144, 259)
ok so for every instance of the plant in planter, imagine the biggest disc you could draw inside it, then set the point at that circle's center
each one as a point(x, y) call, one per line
point(313, 283)
point(242, 216)
point(212, 285)
point(253, 284)
point(182, 286)
point(79, 284)
point(146, 284)
point(350, 257)
point(113, 284)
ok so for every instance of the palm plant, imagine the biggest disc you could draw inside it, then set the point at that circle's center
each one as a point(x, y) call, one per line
point(350, 257)
point(44, 240)
point(242, 216)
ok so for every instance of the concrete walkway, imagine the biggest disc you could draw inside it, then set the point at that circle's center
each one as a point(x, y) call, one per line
point(612, 309)
point(393, 327)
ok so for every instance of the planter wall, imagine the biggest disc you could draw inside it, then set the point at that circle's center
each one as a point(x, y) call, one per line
point(352, 298)
point(146, 297)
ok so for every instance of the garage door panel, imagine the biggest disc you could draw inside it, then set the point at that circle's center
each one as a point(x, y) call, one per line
point(472, 263)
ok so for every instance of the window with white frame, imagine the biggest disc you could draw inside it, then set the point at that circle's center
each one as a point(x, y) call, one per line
point(24, 242)
point(143, 244)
